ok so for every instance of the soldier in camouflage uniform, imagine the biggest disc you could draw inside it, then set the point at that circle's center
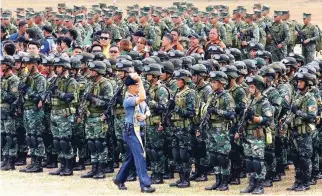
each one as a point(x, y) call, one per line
point(111, 27)
point(63, 99)
point(91, 22)
point(160, 23)
point(310, 34)
point(183, 106)
point(152, 34)
point(215, 23)
point(69, 23)
point(261, 25)
point(278, 36)
point(157, 98)
point(258, 118)
point(97, 95)
point(132, 21)
point(238, 24)
point(11, 28)
point(180, 25)
point(9, 94)
point(292, 24)
point(203, 91)
point(303, 113)
point(229, 26)
point(59, 23)
point(198, 27)
point(33, 116)
point(275, 99)
point(120, 23)
point(85, 29)
point(265, 13)
point(31, 25)
point(240, 98)
point(248, 34)
point(220, 109)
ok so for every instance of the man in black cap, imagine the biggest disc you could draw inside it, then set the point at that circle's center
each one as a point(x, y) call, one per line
point(135, 115)
point(47, 44)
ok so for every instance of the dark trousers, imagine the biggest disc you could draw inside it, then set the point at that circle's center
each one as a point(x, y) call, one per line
point(134, 156)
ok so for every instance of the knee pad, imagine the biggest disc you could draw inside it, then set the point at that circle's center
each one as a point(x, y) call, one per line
point(64, 145)
point(176, 154)
point(91, 146)
point(222, 160)
point(248, 164)
point(9, 140)
point(99, 146)
point(257, 166)
point(269, 157)
point(154, 154)
point(56, 144)
point(33, 141)
point(213, 159)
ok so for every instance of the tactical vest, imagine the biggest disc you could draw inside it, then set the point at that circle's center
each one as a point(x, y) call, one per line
point(180, 100)
point(97, 92)
point(32, 84)
point(229, 35)
point(6, 85)
point(56, 102)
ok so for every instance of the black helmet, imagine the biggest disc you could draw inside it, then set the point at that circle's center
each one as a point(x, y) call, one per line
point(31, 58)
point(108, 66)
point(124, 56)
point(290, 62)
point(223, 58)
point(199, 69)
point(124, 65)
point(175, 54)
point(75, 62)
point(99, 56)
point(193, 60)
point(258, 46)
point(177, 63)
point(8, 60)
point(86, 57)
point(135, 55)
point(250, 64)
point(98, 66)
point(138, 65)
point(156, 58)
point(236, 53)
point(62, 61)
point(186, 62)
point(167, 67)
point(197, 57)
point(241, 67)
point(153, 69)
point(218, 76)
point(258, 81)
point(307, 77)
point(267, 71)
point(182, 74)
point(278, 67)
point(231, 71)
point(260, 62)
point(148, 61)
point(162, 55)
point(298, 57)
point(211, 65)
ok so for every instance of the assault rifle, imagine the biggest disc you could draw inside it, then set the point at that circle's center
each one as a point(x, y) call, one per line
point(166, 115)
point(242, 124)
point(83, 104)
point(273, 38)
point(301, 35)
point(110, 106)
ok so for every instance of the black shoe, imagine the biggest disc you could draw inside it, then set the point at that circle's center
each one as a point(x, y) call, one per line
point(100, 171)
point(258, 187)
point(53, 161)
point(301, 187)
point(80, 165)
point(277, 178)
point(87, 161)
point(313, 181)
point(202, 178)
point(10, 164)
point(158, 179)
point(251, 186)
point(216, 185)
point(175, 184)
point(22, 159)
point(295, 185)
point(194, 175)
point(120, 186)
point(224, 183)
point(60, 169)
point(319, 176)
point(185, 183)
point(68, 171)
point(268, 182)
point(5, 160)
point(91, 173)
point(37, 166)
point(169, 174)
point(33, 162)
point(235, 181)
point(147, 189)
point(109, 169)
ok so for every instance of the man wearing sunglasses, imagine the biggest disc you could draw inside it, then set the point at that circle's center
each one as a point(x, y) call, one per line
point(105, 41)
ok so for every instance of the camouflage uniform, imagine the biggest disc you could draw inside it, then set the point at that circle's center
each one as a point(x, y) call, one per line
point(292, 42)
point(238, 26)
point(11, 29)
point(229, 34)
point(123, 29)
point(116, 35)
point(80, 32)
point(312, 34)
point(151, 34)
point(262, 33)
point(199, 28)
point(183, 29)
point(37, 30)
point(9, 145)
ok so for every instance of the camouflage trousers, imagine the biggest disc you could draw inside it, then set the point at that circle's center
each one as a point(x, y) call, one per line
point(48, 136)
point(78, 140)
point(154, 148)
point(118, 127)
point(33, 123)
point(270, 159)
point(181, 149)
point(281, 149)
point(21, 135)
point(218, 148)
point(254, 149)
point(315, 154)
point(62, 134)
point(309, 55)
point(96, 132)
point(167, 146)
point(277, 54)
point(9, 143)
point(290, 48)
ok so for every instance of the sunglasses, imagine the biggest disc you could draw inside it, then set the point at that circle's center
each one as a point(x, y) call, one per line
point(114, 51)
point(97, 51)
point(105, 38)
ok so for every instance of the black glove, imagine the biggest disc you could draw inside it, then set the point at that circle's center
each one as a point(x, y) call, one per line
point(250, 115)
point(294, 109)
point(23, 88)
point(35, 97)
point(172, 104)
point(68, 97)
point(212, 110)
point(89, 96)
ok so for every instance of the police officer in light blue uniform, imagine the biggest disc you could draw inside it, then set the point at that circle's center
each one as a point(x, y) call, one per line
point(48, 43)
point(135, 114)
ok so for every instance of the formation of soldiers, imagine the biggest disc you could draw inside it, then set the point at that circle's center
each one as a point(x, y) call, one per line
point(226, 93)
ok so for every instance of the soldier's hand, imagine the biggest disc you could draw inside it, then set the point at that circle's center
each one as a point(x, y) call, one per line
point(197, 133)
point(306, 41)
point(279, 46)
point(296, 33)
point(160, 128)
point(78, 120)
point(244, 43)
point(269, 36)
point(236, 136)
point(238, 35)
point(40, 104)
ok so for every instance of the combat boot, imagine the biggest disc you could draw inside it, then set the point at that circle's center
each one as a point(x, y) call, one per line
point(185, 183)
point(21, 160)
point(91, 173)
point(33, 162)
point(195, 174)
point(4, 160)
point(216, 185)
point(53, 161)
point(100, 171)
point(203, 175)
point(80, 165)
point(10, 164)
point(224, 183)
point(175, 184)
point(234, 179)
point(251, 186)
point(109, 169)
point(259, 189)
point(268, 180)
point(305, 185)
point(297, 183)
point(60, 169)
point(68, 171)
point(37, 166)
point(158, 179)
point(170, 173)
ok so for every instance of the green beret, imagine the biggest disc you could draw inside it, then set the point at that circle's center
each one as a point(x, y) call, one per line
point(258, 12)
point(285, 12)
point(156, 13)
point(68, 17)
point(90, 15)
point(265, 7)
point(118, 11)
point(107, 13)
point(224, 14)
point(21, 17)
point(307, 15)
point(143, 14)
point(132, 13)
point(79, 17)
point(146, 8)
point(61, 5)
point(59, 17)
